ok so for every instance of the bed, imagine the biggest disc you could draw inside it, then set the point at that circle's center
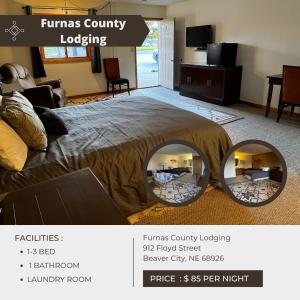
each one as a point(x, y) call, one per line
point(176, 171)
point(113, 139)
point(255, 175)
point(164, 177)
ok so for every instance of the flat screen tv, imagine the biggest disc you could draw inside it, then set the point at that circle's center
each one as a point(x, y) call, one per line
point(199, 36)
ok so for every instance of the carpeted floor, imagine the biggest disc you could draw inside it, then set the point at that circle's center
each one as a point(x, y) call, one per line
point(88, 99)
point(176, 191)
point(215, 207)
point(254, 191)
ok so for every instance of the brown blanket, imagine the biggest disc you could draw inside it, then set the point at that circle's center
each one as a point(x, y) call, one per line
point(113, 138)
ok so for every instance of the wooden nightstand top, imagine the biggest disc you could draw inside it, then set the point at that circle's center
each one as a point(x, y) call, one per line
point(77, 198)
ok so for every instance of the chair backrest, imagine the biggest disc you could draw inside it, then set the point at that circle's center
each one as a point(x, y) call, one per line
point(11, 73)
point(291, 85)
point(111, 67)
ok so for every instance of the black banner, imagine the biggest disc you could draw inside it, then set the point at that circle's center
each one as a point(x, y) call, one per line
point(214, 278)
point(116, 30)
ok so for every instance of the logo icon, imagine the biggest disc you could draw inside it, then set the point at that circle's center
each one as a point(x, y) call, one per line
point(14, 30)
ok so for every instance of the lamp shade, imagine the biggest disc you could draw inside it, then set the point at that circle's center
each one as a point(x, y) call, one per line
point(236, 161)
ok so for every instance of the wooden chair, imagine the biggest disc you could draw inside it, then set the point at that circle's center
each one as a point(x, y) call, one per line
point(290, 94)
point(112, 73)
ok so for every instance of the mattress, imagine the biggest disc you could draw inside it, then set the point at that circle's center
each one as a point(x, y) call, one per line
point(113, 138)
point(255, 175)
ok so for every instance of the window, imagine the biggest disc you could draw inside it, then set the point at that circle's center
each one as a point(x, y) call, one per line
point(65, 54)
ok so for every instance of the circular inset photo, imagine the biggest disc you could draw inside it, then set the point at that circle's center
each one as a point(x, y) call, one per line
point(254, 173)
point(176, 173)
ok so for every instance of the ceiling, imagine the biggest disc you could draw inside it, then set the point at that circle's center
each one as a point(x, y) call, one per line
point(253, 149)
point(93, 3)
point(176, 149)
point(150, 2)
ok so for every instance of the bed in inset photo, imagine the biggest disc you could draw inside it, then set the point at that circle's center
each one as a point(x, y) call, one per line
point(253, 173)
point(176, 174)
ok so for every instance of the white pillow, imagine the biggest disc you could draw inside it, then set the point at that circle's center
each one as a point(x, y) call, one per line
point(13, 151)
point(163, 178)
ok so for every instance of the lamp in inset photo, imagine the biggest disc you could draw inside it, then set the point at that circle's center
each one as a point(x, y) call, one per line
point(236, 160)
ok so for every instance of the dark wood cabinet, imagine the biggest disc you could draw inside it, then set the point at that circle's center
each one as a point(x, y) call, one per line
point(275, 175)
point(219, 85)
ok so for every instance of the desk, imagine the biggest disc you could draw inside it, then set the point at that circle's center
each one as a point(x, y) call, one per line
point(77, 198)
point(273, 79)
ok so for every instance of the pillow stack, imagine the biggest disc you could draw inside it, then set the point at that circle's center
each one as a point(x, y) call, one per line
point(18, 112)
point(23, 126)
point(20, 127)
point(13, 151)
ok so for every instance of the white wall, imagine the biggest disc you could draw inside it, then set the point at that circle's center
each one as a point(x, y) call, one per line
point(245, 160)
point(183, 160)
point(229, 170)
point(77, 77)
point(267, 30)
point(162, 161)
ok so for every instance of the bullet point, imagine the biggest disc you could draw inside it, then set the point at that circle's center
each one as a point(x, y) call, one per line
point(21, 279)
point(21, 266)
point(21, 251)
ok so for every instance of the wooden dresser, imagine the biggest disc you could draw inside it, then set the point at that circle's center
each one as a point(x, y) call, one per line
point(219, 85)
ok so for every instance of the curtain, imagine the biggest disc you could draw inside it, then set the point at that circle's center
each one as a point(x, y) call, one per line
point(36, 58)
point(95, 52)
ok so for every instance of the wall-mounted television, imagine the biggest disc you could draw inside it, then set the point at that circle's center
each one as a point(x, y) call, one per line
point(199, 36)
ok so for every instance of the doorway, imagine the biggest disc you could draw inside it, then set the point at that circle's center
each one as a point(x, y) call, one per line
point(147, 57)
